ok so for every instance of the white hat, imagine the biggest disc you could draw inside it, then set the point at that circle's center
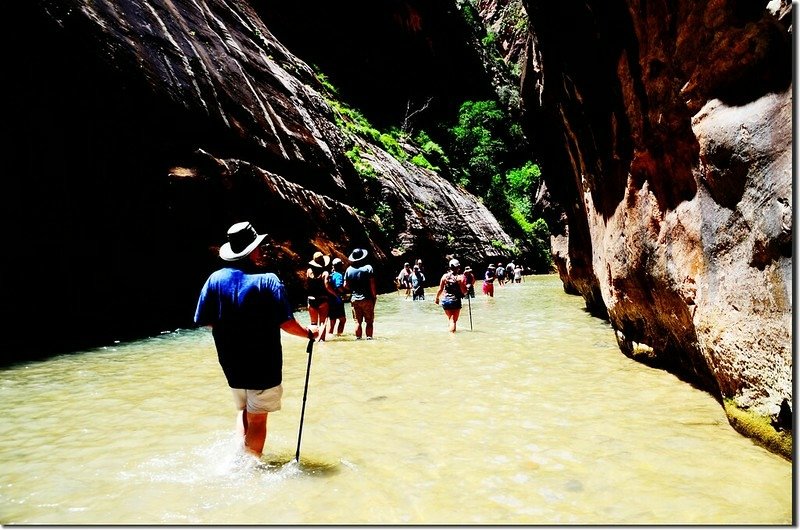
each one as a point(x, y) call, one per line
point(454, 263)
point(357, 255)
point(242, 240)
point(320, 260)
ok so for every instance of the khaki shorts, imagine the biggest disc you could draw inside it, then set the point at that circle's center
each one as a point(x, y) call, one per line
point(363, 310)
point(258, 401)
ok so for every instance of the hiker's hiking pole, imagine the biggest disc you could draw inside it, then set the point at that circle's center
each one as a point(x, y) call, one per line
point(469, 305)
point(309, 349)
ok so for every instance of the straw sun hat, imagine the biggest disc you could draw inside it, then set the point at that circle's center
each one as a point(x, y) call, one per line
point(320, 260)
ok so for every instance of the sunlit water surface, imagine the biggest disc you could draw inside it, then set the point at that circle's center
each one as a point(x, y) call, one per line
point(532, 416)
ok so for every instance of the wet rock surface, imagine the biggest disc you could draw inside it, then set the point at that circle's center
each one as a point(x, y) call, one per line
point(666, 136)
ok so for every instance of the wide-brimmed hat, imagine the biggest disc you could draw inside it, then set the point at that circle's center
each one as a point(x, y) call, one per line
point(357, 255)
point(242, 240)
point(320, 260)
point(467, 269)
point(491, 267)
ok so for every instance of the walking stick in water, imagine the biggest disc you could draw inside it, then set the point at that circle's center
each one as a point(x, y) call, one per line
point(469, 305)
point(309, 349)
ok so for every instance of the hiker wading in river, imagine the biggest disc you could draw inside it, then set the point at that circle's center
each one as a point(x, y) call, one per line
point(453, 286)
point(359, 279)
point(246, 309)
point(319, 291)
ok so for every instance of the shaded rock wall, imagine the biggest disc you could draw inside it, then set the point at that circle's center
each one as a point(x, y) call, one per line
point(665, 132)
point(399, 59)
point(385, 55)
point(140, 130)
point(507, 21)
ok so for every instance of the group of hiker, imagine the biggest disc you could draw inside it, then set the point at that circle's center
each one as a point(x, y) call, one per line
point(510, 273)
point(246, 308)
point(327, 286)
point(412, 280)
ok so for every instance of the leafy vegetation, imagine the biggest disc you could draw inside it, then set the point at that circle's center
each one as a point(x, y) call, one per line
point(484, 151)
point(392, 146)
point(484, 142)
point(361, 166)
point(421, 161)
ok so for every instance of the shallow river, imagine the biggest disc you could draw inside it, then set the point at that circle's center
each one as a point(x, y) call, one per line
point(533, 416)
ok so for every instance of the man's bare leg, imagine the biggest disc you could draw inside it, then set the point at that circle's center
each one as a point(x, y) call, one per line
point(241, 423)
point(255, 431)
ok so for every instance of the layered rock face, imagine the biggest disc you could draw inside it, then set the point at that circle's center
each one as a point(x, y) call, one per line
point(143, 129)
point(665, 132)
point(507, 25)
point(390, 57)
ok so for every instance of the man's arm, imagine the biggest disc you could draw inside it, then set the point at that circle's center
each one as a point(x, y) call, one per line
point(372, 288)
point(462, 283)
point(442, 283)
point(293, 327)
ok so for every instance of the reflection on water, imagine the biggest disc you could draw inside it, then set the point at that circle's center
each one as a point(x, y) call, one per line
point(533, 416)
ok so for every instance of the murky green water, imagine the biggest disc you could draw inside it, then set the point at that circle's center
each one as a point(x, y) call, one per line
point(532, 417)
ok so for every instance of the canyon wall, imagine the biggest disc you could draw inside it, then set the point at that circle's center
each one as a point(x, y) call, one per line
point(140, 130)
point(665, 132)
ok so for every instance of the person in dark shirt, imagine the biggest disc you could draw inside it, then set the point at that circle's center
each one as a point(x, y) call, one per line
point(418, 284)
point(246, 310)
point(452, 288)
point(319, 291)
point(488, 281)
point(500, 274)
point(469, 278)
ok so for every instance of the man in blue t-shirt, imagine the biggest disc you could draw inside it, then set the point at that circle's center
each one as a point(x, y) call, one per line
point(359, 279)
point(246, 310)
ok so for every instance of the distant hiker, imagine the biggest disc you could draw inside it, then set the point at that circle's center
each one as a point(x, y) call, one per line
point(318, 291)
point(453, 287)
point(518, 273)
point(417, 284)
point(336, 313)
point(418, 263)
point(488, 281)
point(500, 274)
point(469, 278)
point(359, 279)
point(404, 278)
point(510, 271)
point(246, 310)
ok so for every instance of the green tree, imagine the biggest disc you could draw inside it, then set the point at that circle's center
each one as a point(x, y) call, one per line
point(485, 141)
point(477, 145)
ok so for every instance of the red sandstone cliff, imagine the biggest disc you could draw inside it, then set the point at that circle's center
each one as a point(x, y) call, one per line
point(665, 132)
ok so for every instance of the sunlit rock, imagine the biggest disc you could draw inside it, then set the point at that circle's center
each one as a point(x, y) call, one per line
point(665, 132)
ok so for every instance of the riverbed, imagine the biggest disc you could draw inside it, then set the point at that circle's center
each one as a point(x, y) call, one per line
point(529, 414)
